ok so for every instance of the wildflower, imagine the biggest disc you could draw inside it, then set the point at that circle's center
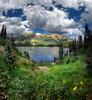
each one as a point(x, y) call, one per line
point(64, 81)
point(81, 83)
point(75, 88)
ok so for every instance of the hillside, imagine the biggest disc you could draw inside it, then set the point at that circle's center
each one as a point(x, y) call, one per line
point(41, 39)
point(30, 81)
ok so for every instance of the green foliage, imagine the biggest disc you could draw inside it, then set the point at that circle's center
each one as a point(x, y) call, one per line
point(66, 81)
point(88, 49)
point(21, 80)
point(2, 41)
point(9, 56)
point(4, 79)
point(61, 82)
point(80, 43)
point(7, 70)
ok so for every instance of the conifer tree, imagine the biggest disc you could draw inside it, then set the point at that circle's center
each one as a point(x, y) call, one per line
point(87, 37)
point(74, 45)
point(79, 42)
point(88, 48)
point(12, 40)
point(3, 32)
point(61, 52)
point(85, 41)
point(88, 33)
point(70, 48)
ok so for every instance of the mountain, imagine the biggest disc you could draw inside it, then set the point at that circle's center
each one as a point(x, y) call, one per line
point(42, 40)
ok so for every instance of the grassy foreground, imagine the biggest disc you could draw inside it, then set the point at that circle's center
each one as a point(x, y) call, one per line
point(59, 82)
point(29, 81)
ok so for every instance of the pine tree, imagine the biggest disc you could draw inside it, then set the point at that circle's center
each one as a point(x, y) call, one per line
point(88, 33)
point(74, 46)
point(3, 32)
point(12, 40)
point(70, 48)
point(87, 36)
point(79, 42)
point(85, 41)
point(88, 48)
point(60, 52)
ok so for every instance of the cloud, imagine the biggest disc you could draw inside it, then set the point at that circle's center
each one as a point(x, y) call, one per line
point(14, 25)
point(69, 3)
point(11, 21)
point(38, 17)
point(22, 3)
point(87, 15)
point(2, 7)
point(53, 21)
point(73, 33)
point(15, 29)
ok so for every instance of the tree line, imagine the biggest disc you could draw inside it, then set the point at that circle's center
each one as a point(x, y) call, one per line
point(82, 44)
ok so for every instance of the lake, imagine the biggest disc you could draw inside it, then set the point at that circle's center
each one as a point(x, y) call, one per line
point(42, 54)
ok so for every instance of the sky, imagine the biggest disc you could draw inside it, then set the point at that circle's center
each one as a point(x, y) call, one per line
point(46, 16)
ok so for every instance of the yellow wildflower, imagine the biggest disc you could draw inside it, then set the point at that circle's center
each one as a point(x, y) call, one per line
point(64, 81)
point(81, 83)
point(75, 88)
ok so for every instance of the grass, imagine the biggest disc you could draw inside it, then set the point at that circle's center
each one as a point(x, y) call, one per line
point(60, 82)
point(66, 77)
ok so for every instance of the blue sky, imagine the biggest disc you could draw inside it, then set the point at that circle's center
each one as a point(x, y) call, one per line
point(15, 13)
point(45, 16)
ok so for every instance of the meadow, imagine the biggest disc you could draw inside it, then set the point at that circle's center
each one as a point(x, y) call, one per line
point(25, 80)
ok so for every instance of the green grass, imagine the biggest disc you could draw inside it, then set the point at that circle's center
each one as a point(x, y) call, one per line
point(60, 82)
point(62, 78)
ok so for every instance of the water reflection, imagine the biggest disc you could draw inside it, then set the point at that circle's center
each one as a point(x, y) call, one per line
point(42, 54)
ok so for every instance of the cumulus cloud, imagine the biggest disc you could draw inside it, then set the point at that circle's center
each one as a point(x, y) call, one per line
point(87, 15)
point(53, 21)
point(21, 3)
point(38, 17)
point(13, 24)
point(73, 32)
point(15, 29)
point(69, 3)
point(2, 7)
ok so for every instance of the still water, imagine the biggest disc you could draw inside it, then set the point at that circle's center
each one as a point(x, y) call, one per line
point(42, 54)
